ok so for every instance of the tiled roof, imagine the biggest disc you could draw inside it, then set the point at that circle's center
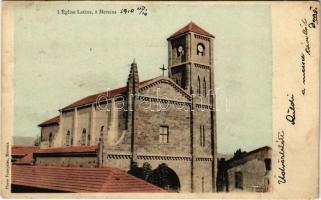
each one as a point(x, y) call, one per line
point(191, 27)
point(75, 179)
point(23, 150)
point(262, 151)
point(51, 121)
point(74, 149)
point(26, 160)
point(93, 98)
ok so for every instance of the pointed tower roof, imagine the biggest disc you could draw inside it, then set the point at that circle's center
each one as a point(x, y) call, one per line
point(191, 27)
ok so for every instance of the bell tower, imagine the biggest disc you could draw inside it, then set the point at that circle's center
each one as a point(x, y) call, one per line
point(190, 64)
point(190, 59)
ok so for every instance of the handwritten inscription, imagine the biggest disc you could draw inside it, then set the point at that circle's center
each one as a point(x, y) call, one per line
point(314, 22)
point(305, 31)
point(140, 10)
point(281, 159)
point(290, 117)
point(305, 27)
point(303, 72)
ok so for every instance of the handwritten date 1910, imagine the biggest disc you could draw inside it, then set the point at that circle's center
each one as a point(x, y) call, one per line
point(141, 10)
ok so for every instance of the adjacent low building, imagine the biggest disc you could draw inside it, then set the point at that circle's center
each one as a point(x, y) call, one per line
point(249, 172)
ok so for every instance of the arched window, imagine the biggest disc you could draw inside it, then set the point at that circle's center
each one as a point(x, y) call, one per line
point(71, 139)
point(68, 138)
point(102, 129)
point(204, 87)
point(198, 85)
point(83, 137)
point(50, 139)
point(200, 49)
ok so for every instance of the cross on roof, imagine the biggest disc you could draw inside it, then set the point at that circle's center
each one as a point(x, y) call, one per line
point(163, 69)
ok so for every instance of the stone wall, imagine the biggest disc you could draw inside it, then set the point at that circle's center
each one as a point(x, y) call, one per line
point(147, 135)
point(206, 41)
point(46, 130)
point(67, 161)
point(203, 181)
point(255, 173)
point(84, 122)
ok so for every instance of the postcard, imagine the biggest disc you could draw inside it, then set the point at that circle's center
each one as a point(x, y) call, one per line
point(145, 99)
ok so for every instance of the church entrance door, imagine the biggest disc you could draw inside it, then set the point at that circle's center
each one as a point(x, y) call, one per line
point(165, 177)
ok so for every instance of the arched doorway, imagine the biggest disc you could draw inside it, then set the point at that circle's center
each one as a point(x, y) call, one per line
point(165, 177)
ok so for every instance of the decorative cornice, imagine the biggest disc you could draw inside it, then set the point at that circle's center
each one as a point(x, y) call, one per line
point(119, 156)
point(170, 101)
point(150, 157)
point(201, 37)
point(158, 157)
point(204, 159)
point(204, 106)
point(202, 66)
point(199, 65)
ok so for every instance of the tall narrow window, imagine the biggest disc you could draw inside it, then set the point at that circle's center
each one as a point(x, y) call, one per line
point(102, 129)
point(198, 85)
point(204, 87)
point(68, 138)
point(202, 135)
point(202, 184)
point(50, 139)
point(163, 134)
point(88, 139)
point(83, 137)
point(71, 139)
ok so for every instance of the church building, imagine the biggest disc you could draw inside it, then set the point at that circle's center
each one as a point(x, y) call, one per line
point(167, 120)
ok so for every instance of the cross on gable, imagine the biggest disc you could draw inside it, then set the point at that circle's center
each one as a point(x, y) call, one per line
point(163, 69)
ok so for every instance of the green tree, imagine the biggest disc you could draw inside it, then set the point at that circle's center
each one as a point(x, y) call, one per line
point(238, 154)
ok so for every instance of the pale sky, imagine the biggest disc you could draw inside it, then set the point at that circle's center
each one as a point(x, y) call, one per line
point(60, 59)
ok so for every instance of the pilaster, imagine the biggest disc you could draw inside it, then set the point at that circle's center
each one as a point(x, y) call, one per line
point(75, 136)
point(93, 124)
